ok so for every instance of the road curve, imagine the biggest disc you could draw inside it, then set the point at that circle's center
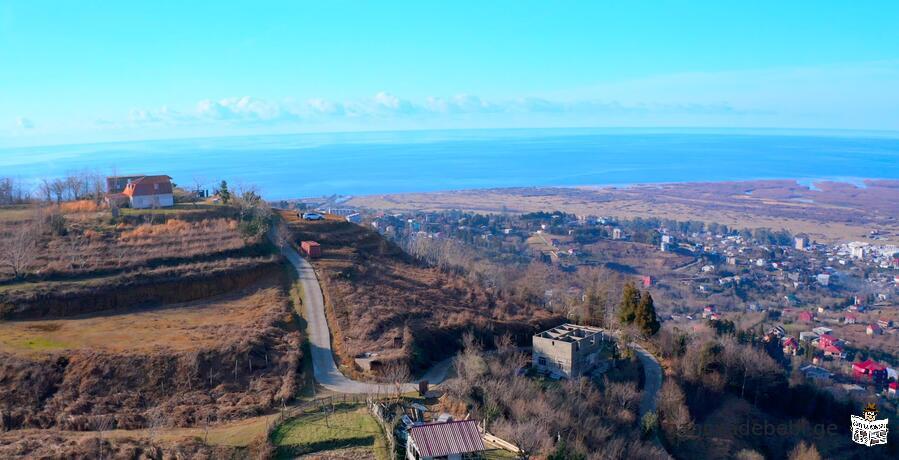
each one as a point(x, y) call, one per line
point(652, 372)
point(325, 369)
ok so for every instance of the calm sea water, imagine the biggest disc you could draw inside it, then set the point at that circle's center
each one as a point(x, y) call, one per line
point(292, 166)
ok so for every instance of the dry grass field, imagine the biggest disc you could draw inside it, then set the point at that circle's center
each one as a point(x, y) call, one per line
point(177, 327)
point(380, 299)
point(828, 212)
point(90, 244)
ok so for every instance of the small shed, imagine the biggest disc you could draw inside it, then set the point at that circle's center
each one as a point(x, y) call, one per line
point(311, 249)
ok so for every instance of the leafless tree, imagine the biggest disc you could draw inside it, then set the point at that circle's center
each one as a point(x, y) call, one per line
point(676, 420)
point(529, 436)
point(397, 374)
point(18, 251)
point(804, 451)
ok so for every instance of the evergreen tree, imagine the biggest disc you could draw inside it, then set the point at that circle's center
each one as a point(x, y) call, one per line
point(645, 316)
point(224, 194)
point(630, 299)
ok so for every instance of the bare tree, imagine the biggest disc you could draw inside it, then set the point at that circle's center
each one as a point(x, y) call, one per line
point(804, 451)
point(397, 374)
point(530, 436)
point(676, 420)
point(18, 251)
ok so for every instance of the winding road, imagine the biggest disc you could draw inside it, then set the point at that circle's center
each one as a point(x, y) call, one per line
point(329, 376)
point(652, 372)
point(325, 369)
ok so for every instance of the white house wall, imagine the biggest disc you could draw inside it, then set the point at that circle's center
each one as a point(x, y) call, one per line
point(164, 200)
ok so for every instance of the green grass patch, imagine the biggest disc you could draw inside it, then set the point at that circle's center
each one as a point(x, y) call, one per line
point(318, 432)
point(39, 344)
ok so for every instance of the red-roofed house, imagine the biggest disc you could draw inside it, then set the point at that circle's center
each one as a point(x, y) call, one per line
point(826, 340)
point(870, 370)
point(850, 319)
point(790, 346)
point(873, 329)
point(806, 317)
point(449, 440)
point(893, 388)
point(834, 351)
point(150, 192)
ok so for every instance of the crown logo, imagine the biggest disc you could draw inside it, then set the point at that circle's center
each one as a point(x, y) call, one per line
point(870, 412)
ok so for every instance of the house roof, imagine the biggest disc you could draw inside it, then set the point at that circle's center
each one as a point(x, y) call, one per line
point(149, 185)
point(833, 349)
point(870, 365)
point(442, 439)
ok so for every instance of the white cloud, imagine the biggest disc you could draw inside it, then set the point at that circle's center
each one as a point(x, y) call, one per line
point(384, 108)
point(325, 107)
point(243, 108)
point(386, 102)
point(24, 123)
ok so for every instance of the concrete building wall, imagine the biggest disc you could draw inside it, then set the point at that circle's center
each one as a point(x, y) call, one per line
point(553, 356)
point(567, 358)
point(164, 200)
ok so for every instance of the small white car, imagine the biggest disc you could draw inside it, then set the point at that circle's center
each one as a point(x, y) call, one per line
point(313, 216)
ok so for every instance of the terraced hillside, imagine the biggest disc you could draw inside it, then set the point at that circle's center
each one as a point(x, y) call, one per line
point(381, 300)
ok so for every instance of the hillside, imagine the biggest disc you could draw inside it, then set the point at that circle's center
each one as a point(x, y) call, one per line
point(381, 300)
point(157, 318)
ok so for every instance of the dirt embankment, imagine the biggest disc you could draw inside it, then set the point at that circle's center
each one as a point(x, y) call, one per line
point(48, 444)
point(151, 287)
point(381, 299)
point(250, 371)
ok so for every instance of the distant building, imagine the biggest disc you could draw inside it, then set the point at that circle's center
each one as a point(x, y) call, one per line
point(823, 279)
point(617, 234)
point(801, 242)
point(806, 317)
point(871, 371)
point(790, 346)
point(141, 192)
point(447, 440)
point(815, 373)
point(647, 281)
point(874, 329)
point(568, 350)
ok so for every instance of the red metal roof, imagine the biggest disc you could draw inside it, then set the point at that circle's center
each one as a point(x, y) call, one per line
point(149, 185)
point(442, 439)
point(870, 365)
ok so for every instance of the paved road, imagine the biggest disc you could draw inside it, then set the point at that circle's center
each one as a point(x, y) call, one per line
point(652, 372)
point(325, 369)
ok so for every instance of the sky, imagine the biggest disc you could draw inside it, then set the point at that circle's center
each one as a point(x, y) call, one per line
point(90, 71)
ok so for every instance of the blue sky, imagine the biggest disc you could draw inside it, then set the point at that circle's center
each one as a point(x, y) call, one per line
point(90, 71)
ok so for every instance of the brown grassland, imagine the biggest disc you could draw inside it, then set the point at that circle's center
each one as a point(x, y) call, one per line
point(221, 359)
point(829, 211)
point(380, 299)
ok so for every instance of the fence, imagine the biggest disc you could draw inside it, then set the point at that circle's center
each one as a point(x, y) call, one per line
point(379, 412)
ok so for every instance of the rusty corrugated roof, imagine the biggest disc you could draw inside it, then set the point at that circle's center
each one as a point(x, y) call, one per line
point(441, 439)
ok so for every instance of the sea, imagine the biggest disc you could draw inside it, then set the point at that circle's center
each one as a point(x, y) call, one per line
point(350, 164)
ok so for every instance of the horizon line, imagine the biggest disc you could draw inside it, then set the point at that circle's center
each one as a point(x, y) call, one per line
point(822, 132)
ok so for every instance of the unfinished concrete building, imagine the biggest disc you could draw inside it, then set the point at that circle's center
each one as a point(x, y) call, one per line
point(569, 350)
